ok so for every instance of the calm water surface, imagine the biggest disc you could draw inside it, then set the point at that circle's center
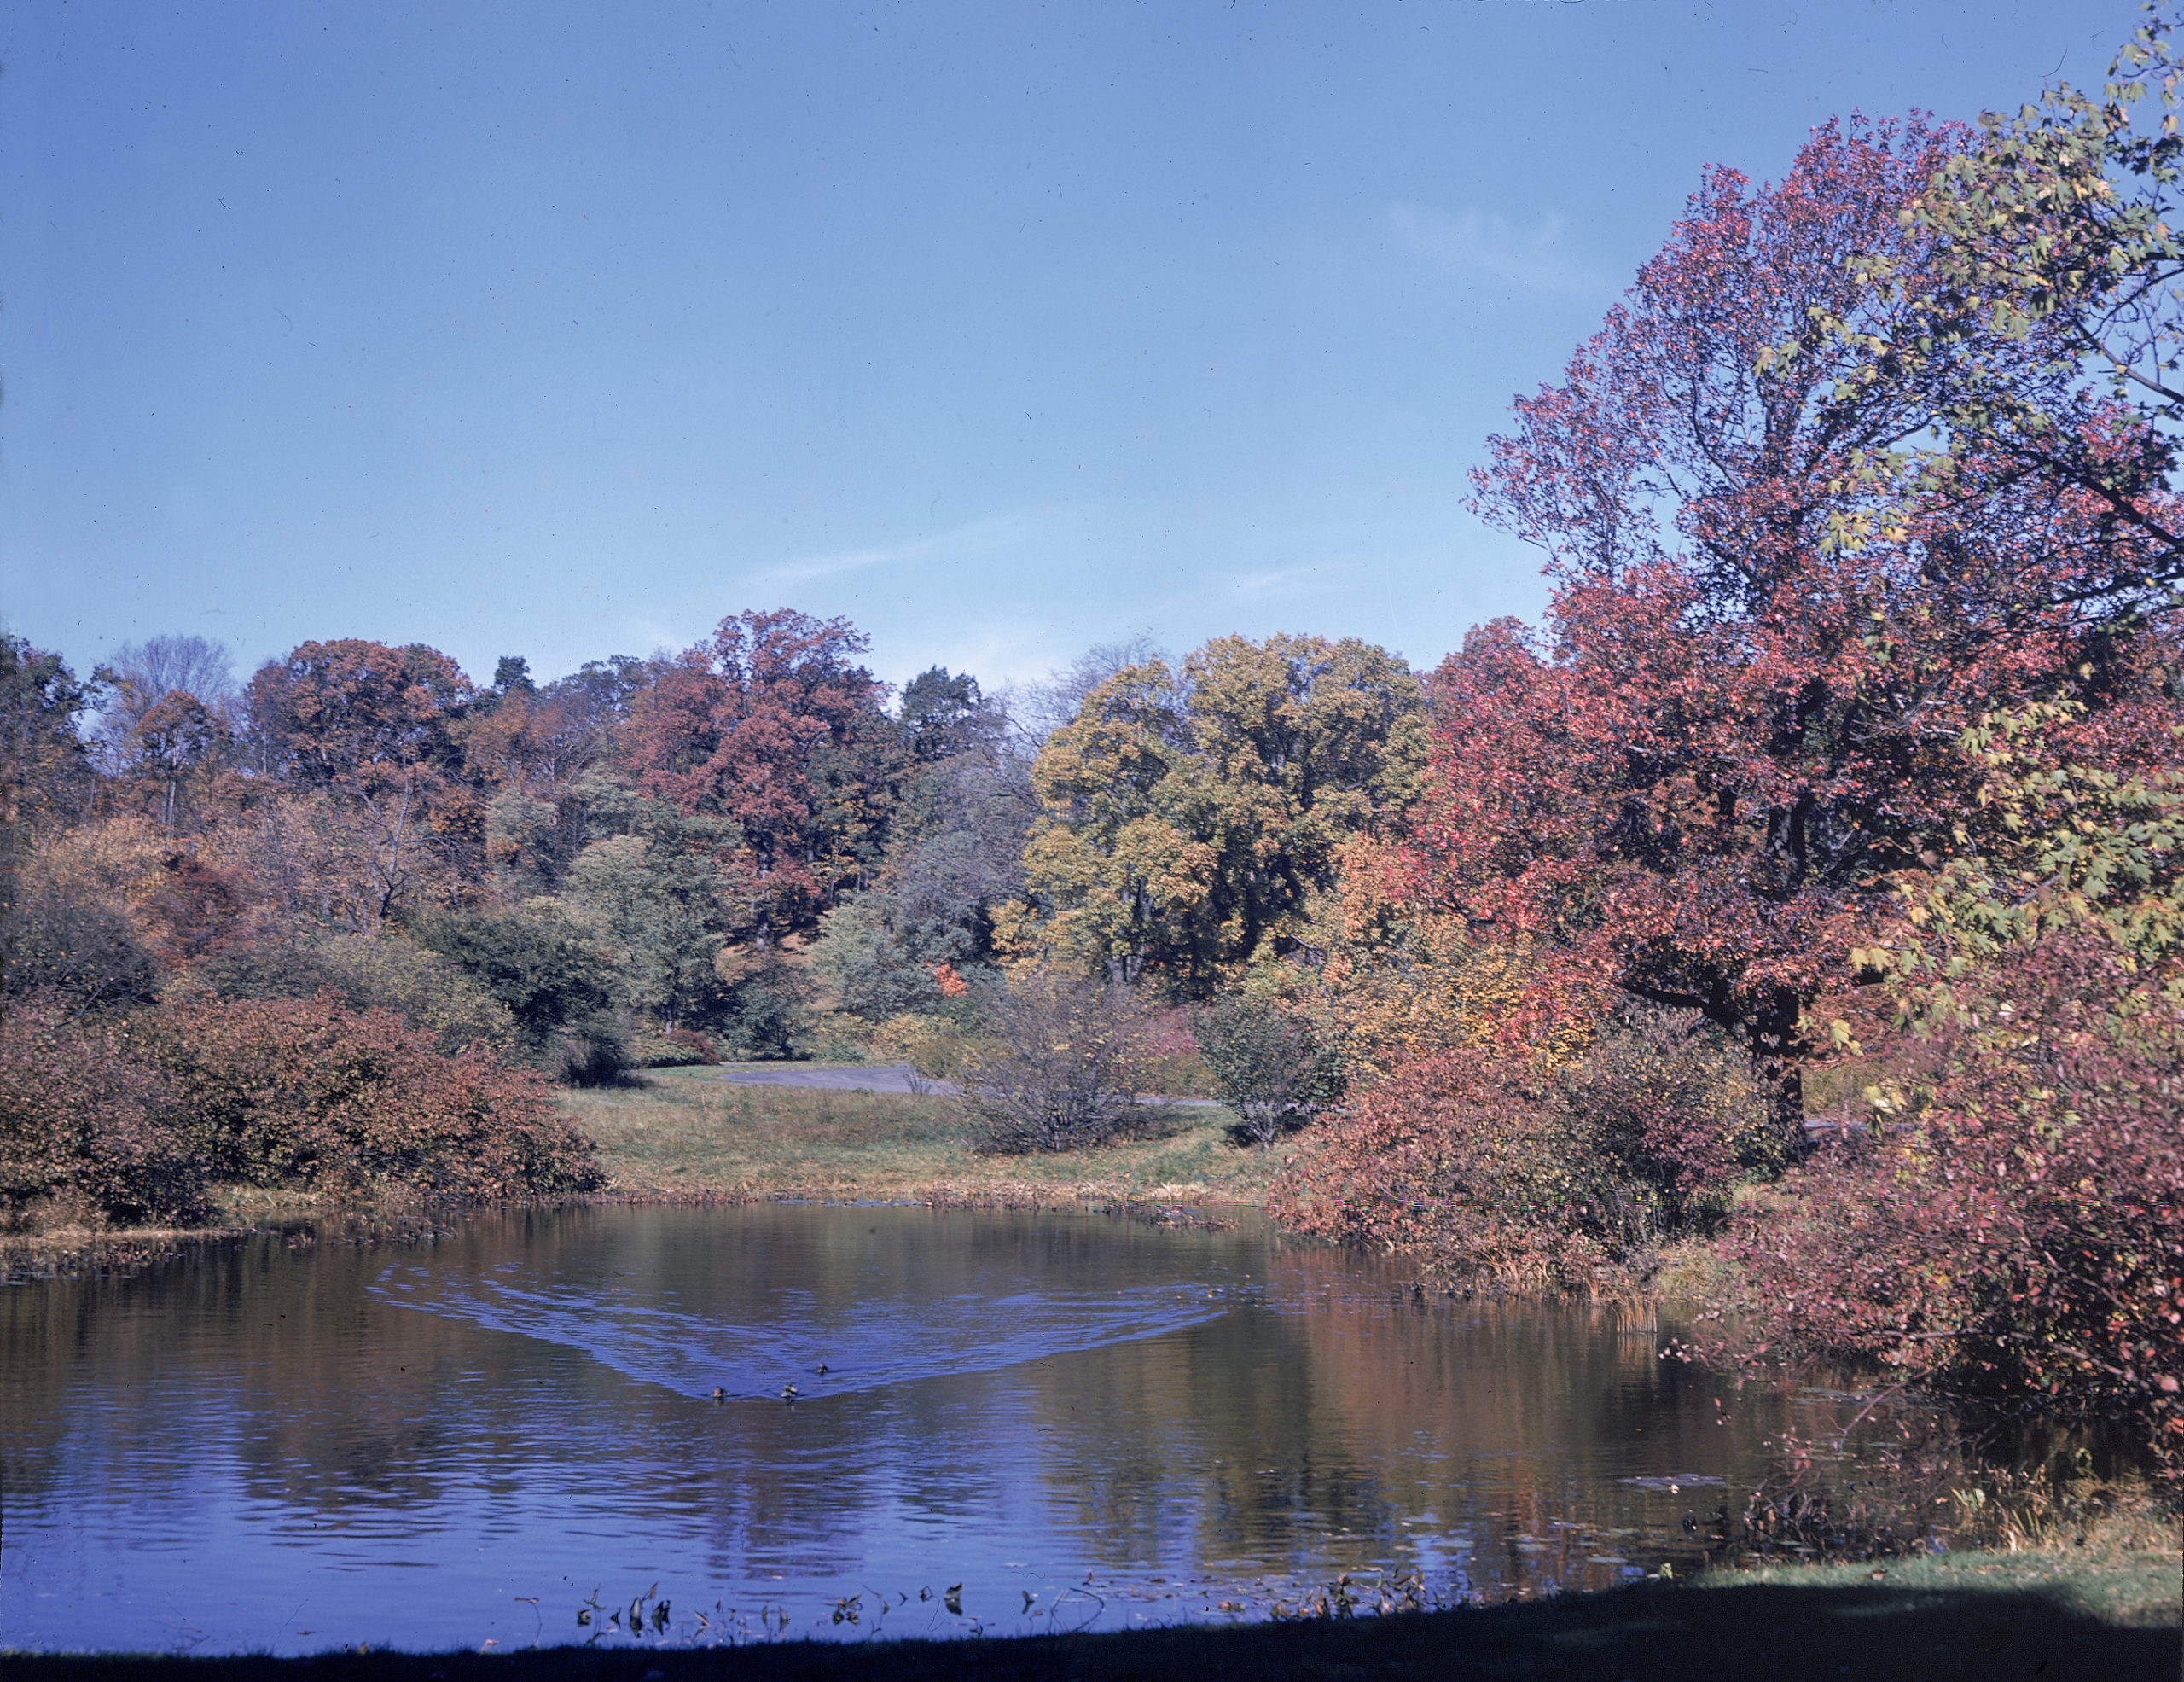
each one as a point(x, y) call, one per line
point(1079, 1420)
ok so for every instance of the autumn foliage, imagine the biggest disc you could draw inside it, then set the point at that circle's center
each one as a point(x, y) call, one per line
point(88, 1124)
point(1773, 615)
point(2013, 1238)
point(135, 1118)
point(1500, 1165)
point(1853, 731)
point(1847, 751)
point(305, 1093)
point(370, 727)
point(762, 726)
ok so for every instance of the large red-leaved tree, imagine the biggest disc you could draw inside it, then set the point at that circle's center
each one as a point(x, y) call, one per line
point(775, 725)
point(1787, 577)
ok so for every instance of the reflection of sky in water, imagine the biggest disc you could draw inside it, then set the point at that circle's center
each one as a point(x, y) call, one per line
point(260, 1448)
point(862, 1347)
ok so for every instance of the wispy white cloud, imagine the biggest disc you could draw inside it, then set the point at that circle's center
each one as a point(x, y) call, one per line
point(1484, 245)
point(974, 537)
point(1286, 583)
point(1004, 657)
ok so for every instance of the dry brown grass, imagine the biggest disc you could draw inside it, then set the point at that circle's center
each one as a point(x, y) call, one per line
point(54, 1243)
point(686, 1132)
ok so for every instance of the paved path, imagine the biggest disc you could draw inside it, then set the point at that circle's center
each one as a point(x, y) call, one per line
point(879, 1078)
point(902, 1077)
point(865, 1077)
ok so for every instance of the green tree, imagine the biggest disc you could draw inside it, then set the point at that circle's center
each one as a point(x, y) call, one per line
point(1186, 815)
point(1266, 1065)
point(389, 971)
point(664, 896)
point(45, 774)
point(543, 970)
point(64, 942)
point(955, 849)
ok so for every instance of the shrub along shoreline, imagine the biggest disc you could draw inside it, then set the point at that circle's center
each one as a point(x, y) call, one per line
point(669, 1134)
point(151, 1120)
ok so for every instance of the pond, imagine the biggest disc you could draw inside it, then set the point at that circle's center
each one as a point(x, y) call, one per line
point(1002, 1420)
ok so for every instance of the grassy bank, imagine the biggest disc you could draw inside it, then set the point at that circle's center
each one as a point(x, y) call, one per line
point(687, 1133)
point(1964, 1617)
point(2126, 1587)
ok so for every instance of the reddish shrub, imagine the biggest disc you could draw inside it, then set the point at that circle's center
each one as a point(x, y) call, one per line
point(678, 1048)
point(1169, 1033)
point(1497, 1164)
point(83, 1118)
point(302, 1091)
point(1674, 1107)
point(198, 909)
point(1466, 1158)
point(2015, 1233)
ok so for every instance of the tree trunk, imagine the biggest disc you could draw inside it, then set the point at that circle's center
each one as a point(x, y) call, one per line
point(1778, 1059)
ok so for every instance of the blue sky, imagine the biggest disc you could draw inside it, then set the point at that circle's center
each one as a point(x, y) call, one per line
point(1003, 330)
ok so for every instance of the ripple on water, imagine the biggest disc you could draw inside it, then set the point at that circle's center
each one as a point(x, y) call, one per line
point(864, 1347)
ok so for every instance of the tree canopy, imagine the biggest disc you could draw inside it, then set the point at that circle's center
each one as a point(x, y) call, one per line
point(1774, 611)
point(774, 724)
point(1186, 813)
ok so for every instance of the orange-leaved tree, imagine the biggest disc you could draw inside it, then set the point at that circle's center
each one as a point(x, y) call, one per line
point(370, 727)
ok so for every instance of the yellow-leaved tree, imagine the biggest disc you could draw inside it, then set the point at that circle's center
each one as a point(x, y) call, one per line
point(1188, 814)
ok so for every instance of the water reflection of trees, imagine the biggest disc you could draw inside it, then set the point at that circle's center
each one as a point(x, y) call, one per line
point(1285, 1437)
point(1301, 1428)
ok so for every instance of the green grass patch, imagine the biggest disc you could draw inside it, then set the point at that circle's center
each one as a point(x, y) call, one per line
point(2129, 1588)
point(687, 1133)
